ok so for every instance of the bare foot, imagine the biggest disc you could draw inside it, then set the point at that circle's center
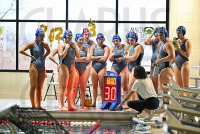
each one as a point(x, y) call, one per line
point(85, 108)
point(131, 110)
point(93, 105)
point(63, 109)
point(72, 108)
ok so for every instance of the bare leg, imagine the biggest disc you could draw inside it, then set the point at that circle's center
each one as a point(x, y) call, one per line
point(178, 77)
point(124, 81)
point(41, 78)
point(83, 82)
point(70, 94)
point(135, 95)
point(63, 83)
point(131, 82)
point(88, 70)
point(154, 80)
point(165, 76)
point(75, 87)
point(94, 77)
point(33, 73)
point(185, 73)
point(100, 75)
point(59, 87)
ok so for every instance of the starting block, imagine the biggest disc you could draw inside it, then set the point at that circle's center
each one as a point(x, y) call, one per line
point(193, 91)
point(175, 94)
point(182, 110)
point(181, 126)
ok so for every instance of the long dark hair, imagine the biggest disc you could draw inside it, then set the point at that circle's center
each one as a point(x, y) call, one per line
point(139, 72)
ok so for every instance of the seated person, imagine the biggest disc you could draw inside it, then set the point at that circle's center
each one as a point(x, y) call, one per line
point(148, 100)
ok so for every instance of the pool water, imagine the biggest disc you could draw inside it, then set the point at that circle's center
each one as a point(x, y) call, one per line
point(105, 128)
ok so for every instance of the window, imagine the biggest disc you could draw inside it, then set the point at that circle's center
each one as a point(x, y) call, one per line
point(110, 17)
point(8, 9)
point(142, 10)
point(108, 29)
point(27, 34)
point(42, 10)
point(124, 28)
point(8, 45)
point(95, 9)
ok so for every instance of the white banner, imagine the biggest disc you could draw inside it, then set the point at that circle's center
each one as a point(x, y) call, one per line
point(1, 37)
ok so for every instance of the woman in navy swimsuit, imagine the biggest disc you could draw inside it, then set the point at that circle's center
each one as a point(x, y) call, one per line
point(182, 66)
point(119, 65)
point(67, 51)
point(80, 71)
point(133, 58)
point(100, 53)
point(88, 43)
point(37, 66)
point(166, 55)
point(154, 43)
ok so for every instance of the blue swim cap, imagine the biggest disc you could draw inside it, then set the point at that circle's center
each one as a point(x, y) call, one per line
point(38, 31)
point(116, 36)
point(182, 29)
point(65, 34)
point(127, 35)
point(100, 36)
point(78, 35)
point(164, 31)
point(156, 31)
point(133, 35)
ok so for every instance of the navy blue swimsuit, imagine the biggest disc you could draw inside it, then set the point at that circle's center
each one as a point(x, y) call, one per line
point(80, 66)
point(69, 59)
point(180, 59)
point(163, 54)
point(98, 66)
point(119, 66)
point(38, 53)
point(88, 45)
point(132, 64)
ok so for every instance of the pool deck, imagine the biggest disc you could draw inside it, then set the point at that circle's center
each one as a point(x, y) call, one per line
point(93, 114)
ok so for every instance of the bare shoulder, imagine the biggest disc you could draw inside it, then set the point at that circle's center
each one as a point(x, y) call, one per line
point(140, 47)
point(93, 43)
point(106, 48)
point(112, 48)
point(169, 43)
point(45, 43)
point(188, 42)
point(61, 44)
point(30, 44)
